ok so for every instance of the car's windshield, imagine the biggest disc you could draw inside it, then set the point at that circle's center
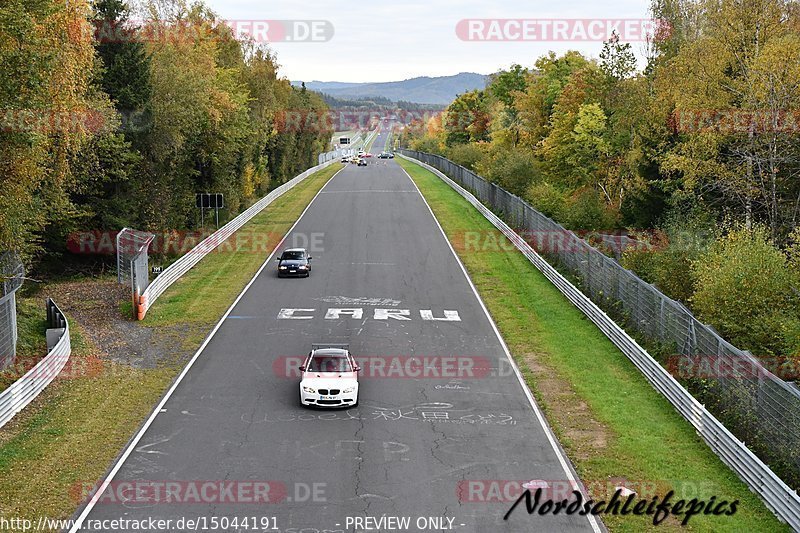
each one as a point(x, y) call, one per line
point(329, 363)
point(292, 256)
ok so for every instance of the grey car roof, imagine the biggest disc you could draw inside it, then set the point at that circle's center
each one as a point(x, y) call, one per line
point(330, 351)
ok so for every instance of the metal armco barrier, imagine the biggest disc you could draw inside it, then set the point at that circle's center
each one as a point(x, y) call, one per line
point(779, 497)
point(23, 391)
point(210, 243)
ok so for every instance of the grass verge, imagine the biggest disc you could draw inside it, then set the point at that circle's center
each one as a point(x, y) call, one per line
point(611, 422)
point(67, 438)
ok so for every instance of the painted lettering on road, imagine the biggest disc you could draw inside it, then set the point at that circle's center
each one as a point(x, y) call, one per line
point(291, 314)
point(357, 313)
point(436, 412)
point(397, 314)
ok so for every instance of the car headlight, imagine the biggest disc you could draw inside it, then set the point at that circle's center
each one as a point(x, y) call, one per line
point(282, 268)
point(348, 390)
point(309, 390)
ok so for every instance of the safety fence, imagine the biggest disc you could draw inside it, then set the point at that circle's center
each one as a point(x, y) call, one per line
point(12, 274)
point(23, 391)
point(177, 269)
point(774, 405)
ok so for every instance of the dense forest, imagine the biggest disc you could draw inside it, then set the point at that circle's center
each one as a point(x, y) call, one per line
point(697, 155)
point(111, 117)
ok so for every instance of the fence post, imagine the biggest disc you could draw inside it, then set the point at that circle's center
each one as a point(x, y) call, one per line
point(134, 289)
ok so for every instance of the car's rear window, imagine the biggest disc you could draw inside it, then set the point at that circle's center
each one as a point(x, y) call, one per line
point(329, 363)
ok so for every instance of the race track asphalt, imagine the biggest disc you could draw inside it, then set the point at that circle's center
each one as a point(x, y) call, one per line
point(415, 447)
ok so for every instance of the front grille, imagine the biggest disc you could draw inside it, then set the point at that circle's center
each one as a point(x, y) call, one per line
point(328, 402)
point(324, 392)
point(334, 392)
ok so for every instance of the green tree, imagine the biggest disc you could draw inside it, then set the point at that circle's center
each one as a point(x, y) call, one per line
point(47, 59)
point(544, 86)
point(466, 119)
point(617, 60)
point(125, 74)
point(746, 290)
point(732, 86)
point(505, 87)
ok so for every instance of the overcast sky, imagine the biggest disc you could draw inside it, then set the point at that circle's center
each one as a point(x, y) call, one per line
point(391, 40)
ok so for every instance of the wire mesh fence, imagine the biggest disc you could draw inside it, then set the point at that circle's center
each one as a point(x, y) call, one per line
point(12, 274)
point(132, 257)
point(757, 406)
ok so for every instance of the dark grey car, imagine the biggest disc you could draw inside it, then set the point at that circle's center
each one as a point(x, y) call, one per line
point(294, 262)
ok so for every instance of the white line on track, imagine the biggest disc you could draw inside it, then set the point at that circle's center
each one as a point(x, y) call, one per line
point(160, 407)
point(368, 190)
point(539, 416)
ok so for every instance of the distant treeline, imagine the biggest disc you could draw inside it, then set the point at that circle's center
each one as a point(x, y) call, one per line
point(376, 102)
point(379, 103)
point(110, 118)
point(698, 154)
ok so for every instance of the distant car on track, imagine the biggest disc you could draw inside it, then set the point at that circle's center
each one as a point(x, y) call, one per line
point(329, 377)
point(294, 262)
point(386, 155)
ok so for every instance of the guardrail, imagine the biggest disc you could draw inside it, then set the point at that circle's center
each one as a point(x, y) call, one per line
point(370, 137)
point(23, 391)
point(779, 497)
point(207, 245)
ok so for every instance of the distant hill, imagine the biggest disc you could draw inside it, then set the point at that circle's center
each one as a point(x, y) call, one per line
point(423, 90)
point(323, 86)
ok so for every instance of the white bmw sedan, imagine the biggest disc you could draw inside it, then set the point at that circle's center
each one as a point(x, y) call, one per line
point(329, 378)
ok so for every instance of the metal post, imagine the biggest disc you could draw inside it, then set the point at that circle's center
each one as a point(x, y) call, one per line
point(134, 288)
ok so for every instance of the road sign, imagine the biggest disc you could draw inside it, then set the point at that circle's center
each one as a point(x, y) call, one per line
point(204, 200)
